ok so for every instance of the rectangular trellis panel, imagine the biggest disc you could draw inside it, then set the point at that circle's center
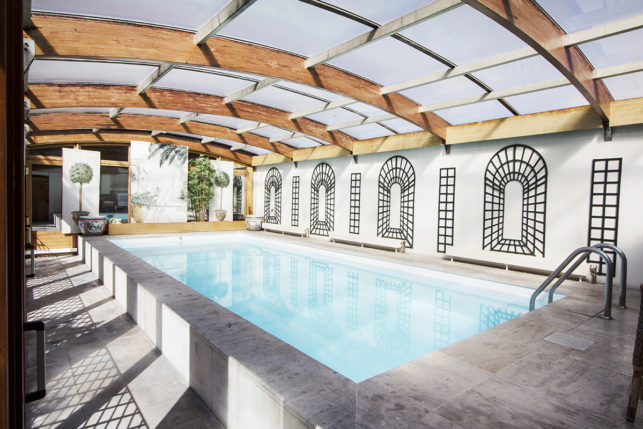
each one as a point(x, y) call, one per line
point(294, 221)
point(356, 185)
point(446, 208)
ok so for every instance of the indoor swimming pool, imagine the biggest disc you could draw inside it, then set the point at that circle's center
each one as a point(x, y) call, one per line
point(359, 316)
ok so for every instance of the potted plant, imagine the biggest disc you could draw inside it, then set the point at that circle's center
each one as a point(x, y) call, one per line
point(140, 203)
point(221, 180)
point(201, 176)
point(80, 173)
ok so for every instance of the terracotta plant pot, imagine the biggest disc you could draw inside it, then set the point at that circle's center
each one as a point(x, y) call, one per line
point(139, 213)
point(220, 215)
point(75, 215)
point(254, 223)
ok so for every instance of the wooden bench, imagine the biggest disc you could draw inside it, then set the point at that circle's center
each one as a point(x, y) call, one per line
point(393, 244)
point(510, 261)
point(286, 229)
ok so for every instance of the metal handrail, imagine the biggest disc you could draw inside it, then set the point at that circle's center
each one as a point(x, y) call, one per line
point(607, 312)
point(619, 252)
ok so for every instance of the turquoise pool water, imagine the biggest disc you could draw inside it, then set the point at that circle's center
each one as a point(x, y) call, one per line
point(358, 316)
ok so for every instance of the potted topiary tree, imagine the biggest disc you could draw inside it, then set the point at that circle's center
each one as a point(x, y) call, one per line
point(200, 186)
point(221, 180)
point(140, 203)
point(80, 173)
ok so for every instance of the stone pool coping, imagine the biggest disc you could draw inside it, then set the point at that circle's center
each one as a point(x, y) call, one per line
point(248, 378)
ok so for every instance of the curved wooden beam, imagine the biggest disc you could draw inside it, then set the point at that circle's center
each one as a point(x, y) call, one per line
point(71, 120)
point(78, 37)
point(54, 138)
point(86, 95)
point(526, 20)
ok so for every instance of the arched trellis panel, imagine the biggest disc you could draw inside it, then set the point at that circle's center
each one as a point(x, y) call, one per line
point(526, 166)
point(397, 170)
point(272, 197)
point(322, 223)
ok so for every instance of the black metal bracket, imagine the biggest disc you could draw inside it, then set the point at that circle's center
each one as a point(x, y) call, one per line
point(447, 148)
point(355, 158)
point(607, 132)
point(39, 327)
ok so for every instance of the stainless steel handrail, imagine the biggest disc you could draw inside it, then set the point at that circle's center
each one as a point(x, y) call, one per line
point(619, 252)
point(607, 311)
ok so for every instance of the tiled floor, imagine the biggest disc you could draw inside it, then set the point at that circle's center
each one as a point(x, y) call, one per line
point(102, 371)
point(101, 368)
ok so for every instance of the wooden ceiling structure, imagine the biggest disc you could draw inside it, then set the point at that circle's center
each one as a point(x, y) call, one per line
point(61, 112)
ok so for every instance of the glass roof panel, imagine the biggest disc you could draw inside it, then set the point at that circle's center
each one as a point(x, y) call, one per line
point(402, 126)
point(626, 86)
point(443, 90)
point(366, 109)
point(190, 14)
point(550, 99)
point(301, 142)
point(577, 15)
point(380, 11)
point(206, 83)
point(256, 150)
point(335, 116)
point(154, 112)
point(292, 26)
point(270, 132)
point(484, 111)
point(535, 69)
point(224, 121)
point(281, 99)
point(615, 50)
point(70, 109)
point(315, 92)
point(387, 61)
point(367, 131)
point(53, 71)
point(463, 35)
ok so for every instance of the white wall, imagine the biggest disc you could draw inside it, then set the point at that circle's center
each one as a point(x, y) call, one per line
point(569, 159)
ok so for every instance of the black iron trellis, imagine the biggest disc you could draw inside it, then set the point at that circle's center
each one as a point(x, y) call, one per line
point(604, 207)
point(323, 175)
point(397, 170)
point(446, 208)
point(525, 165)
point(237, 191)
point(294, 214)
point(273, 181)
point(356, 185)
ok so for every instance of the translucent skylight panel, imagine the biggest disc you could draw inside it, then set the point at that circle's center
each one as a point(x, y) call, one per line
point(256, 150)
point(292, 26)
point(366, 109)
point(401, 126)
point(443, 90)
point(335, 116)
point(615, 50)
point(281, 99)
point(380, 11)
point(387, 61)
point(550, 99)
point(577, 15)
point(626, 86)
point(367, 131)
point(190, 14)
point(315, 92)
point(463, 35)
point(205, 83)
point(270, 132)
point(224, 121)
point(301, 142)
point(477, 112)
point(535, 69)
point(70, 110)
point(87, 72)
point(154, 112)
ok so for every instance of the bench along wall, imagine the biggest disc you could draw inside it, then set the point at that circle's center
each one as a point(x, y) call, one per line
point(530, 200)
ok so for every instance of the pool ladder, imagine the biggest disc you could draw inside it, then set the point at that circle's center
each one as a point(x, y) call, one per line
point(585, 251)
